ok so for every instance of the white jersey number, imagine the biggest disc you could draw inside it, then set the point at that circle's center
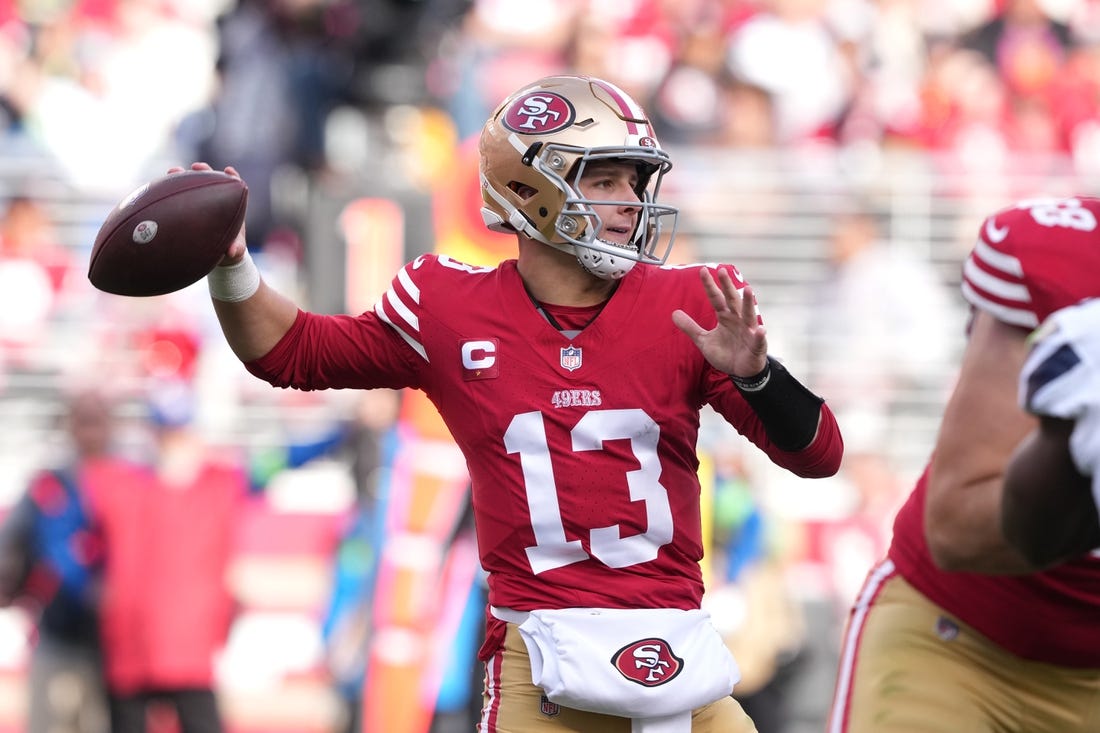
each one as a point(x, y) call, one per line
point(526, 435)
point(1069, 213)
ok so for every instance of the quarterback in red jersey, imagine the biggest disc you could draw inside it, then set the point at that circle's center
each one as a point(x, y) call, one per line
point(572, 379)
point(956, 630)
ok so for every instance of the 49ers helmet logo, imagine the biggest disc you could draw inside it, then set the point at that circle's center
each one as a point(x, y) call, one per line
point(649, 662)
point(539, 113)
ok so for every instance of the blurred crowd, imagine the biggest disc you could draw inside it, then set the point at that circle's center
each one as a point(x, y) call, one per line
point(108, 85)
point(300, 94)
point(975, 77)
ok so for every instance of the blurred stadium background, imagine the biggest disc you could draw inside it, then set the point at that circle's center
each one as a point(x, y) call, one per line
point(352, 121)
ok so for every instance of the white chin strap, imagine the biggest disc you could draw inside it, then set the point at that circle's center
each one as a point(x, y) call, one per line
point(601, 264)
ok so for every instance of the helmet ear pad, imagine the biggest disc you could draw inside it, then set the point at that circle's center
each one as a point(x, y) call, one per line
point(522, 190)
point(520, 195)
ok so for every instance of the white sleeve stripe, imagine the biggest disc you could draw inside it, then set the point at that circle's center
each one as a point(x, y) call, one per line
point(998, 260)
point(995, 285)
point(416, 345)
point(1016, 316)
point(409, 285)
point(402, 310)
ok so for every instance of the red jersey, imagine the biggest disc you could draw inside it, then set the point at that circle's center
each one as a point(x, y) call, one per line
point(581, 451)
point(1029, 261)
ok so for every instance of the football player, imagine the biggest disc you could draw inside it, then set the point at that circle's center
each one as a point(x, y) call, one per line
point(572, 378)
point(956, 629)
point(1052, 485)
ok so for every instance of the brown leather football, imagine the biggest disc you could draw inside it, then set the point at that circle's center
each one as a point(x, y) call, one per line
point(168, 233)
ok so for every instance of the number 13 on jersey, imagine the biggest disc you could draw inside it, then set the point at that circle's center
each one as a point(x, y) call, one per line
point(526, 435)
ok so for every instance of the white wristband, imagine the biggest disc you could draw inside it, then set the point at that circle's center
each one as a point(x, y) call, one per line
point(236, 282)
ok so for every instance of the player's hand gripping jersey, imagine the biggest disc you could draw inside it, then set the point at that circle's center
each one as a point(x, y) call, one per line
point(1030, 260)
point(581, 450)
point(1061, 378)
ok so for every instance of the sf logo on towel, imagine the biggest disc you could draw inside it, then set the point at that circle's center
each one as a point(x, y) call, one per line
point(649, 662)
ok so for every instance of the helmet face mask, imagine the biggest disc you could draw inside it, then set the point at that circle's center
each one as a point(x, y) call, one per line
point(541, 140)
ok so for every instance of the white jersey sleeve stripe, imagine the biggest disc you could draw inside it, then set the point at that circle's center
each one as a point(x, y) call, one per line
point(998, 260)
point(1016, 316)
point(402, 310)
point(995, 285)
point(416, 345)
point(409, 285)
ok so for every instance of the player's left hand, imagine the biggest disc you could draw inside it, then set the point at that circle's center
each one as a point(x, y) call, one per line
point(738, 344)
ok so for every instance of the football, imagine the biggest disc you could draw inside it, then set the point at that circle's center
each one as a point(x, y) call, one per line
point(167, 234)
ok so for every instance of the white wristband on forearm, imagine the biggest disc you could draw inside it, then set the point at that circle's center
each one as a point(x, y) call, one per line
point(236, 282)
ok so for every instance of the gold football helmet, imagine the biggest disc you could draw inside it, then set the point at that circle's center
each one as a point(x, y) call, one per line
point(541, 138)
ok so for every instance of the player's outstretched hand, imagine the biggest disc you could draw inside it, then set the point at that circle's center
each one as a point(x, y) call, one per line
point(238, 246)
point(738, 344)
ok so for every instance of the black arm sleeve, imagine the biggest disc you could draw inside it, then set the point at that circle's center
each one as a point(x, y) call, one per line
point(789, 410)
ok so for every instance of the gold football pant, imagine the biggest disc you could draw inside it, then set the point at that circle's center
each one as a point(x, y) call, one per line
point(511, 704)
point(908, 667)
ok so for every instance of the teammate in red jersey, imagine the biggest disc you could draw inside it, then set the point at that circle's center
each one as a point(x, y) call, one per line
point(956, 630)
point(1052, 483)
point(572, 378)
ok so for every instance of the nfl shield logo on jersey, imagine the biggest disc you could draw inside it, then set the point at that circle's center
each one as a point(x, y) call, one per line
point(571, 358)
